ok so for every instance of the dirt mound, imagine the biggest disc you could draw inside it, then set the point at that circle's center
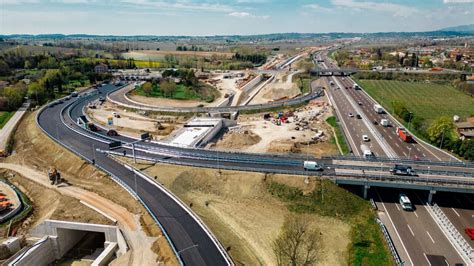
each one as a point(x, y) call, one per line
point(238, 140)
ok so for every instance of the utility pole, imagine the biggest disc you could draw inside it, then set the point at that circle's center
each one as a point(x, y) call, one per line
point(442, 139)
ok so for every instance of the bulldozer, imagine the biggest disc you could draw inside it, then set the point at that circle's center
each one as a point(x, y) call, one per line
point(54, 176)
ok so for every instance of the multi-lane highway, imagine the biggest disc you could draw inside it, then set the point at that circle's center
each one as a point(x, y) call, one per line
point(418, 238)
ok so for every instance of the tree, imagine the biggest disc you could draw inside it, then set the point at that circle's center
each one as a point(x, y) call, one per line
point(147, 88)
point(297, 244)
point(439, 128)
point(168, 87)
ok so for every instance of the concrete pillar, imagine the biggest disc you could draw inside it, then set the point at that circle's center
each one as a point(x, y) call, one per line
point(430, 196)
point(366, 188)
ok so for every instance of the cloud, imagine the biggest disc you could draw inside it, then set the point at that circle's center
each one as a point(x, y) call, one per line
point(179, 5)
point(246, 15)
point(18, 2)
point(317, 7)
point(457, 1)
point(396, 9)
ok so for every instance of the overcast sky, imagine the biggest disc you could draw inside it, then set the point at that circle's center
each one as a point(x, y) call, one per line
point(208, 17)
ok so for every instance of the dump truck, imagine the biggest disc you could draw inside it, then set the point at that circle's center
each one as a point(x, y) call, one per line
point(399, 169)
point(403, 134)
point(378, 109)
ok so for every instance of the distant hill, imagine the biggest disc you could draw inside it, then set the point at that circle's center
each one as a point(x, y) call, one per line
point(461, 28)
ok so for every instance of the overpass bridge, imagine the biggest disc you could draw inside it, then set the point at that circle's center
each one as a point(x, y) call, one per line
point(327, 72)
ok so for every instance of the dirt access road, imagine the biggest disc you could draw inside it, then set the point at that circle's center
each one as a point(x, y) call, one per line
point(34, 152)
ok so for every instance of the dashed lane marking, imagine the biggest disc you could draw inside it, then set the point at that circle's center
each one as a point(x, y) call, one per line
point(455, 212)
point(411, 231)
point(429, 263)
point(432, 240)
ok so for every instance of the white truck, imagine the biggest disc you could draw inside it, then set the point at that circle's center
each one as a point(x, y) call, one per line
point(378, 108)
point(366, 152)
point(384, 122)
point(312, 166)
point(331, 83)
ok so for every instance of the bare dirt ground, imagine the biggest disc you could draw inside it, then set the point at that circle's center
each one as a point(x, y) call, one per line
point(243, 215)
point(284, 138)
point(281, 87)
point(131, 123)
point(35, 151)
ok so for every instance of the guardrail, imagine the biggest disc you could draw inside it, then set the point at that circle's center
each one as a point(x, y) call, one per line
point(417, 171)
point(310, 96)
point(391, 246)
point(114, 178)
point(183, 206)
point(453, 235)
point(400, 160)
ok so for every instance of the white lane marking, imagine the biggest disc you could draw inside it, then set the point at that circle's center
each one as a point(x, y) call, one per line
point(404, 153)
point(390, 137)
point(397, 145)
point(395, 228)
point(411, 231)
point(432, 240)
point(396, 205)
point(455, 212)
point(446, 262)
point(416, 214)
point(424, 155)
point(429, 263)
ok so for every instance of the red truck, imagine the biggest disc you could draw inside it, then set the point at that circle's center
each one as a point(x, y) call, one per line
point(469, 232)
point(403, 134)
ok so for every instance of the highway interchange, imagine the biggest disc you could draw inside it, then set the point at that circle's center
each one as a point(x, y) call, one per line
point(422, 241)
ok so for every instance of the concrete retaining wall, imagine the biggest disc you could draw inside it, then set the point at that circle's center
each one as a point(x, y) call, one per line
point(40, 254)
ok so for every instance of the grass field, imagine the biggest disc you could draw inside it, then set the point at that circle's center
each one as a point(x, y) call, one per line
point(368, 246)
point(426, 100)
point(339, 135)
point(4, 117)
point(181, 93)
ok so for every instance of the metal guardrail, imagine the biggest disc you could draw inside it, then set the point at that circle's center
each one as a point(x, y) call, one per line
point(183, 206)
point(114, 178)
point(391, 246)
point(400, 160)
point(310, 96)
point(453, 235)
point(418, 171)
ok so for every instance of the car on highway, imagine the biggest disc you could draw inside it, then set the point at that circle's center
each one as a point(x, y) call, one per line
point(359, 103)
point(351, 115)
point(365, 138)
point(312, 166)
point(375, 122)
point(358, 116)
point(399, 169)
point(112, 133)
point(405, 202)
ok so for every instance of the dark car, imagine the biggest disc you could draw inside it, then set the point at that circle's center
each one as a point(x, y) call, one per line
point(358, 116)
point(375, 122)
point(112, 133)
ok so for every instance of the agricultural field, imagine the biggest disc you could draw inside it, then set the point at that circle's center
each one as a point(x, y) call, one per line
point(425, 100)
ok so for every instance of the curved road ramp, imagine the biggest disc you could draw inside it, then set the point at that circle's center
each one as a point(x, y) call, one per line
point(63, 241)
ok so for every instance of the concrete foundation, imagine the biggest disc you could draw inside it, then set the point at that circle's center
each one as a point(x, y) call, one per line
point(58, 237)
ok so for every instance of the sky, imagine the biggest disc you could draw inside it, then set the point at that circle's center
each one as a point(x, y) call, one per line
point(227, 17)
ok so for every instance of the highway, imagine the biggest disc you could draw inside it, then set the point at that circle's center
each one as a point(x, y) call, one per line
point(184, 231)
point(418, 238)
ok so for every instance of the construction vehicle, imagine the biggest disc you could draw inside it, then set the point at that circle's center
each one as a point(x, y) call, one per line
point(399, 169)
point(469, 232)
point(92, 127)
point(403, 134)
point(54, 176)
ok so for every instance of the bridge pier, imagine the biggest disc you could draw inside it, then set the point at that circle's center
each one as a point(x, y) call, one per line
point(365, 190)
point(430, 196)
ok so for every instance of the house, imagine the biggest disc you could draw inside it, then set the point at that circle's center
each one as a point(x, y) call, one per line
point(101, 68)
point(465, 130)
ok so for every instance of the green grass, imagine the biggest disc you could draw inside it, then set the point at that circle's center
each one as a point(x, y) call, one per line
point(426, 100)
point(4, 117)
point(182, 92)
point(339, 135)
point(367, 244)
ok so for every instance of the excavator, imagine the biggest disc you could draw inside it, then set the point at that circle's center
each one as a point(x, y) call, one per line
point(54, 176)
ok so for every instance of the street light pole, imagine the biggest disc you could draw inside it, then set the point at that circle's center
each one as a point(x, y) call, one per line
point(409, 121)
point(409, 152)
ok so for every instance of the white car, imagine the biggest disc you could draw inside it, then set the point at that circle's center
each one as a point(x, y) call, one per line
point(365, 138)
point(351, 115)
